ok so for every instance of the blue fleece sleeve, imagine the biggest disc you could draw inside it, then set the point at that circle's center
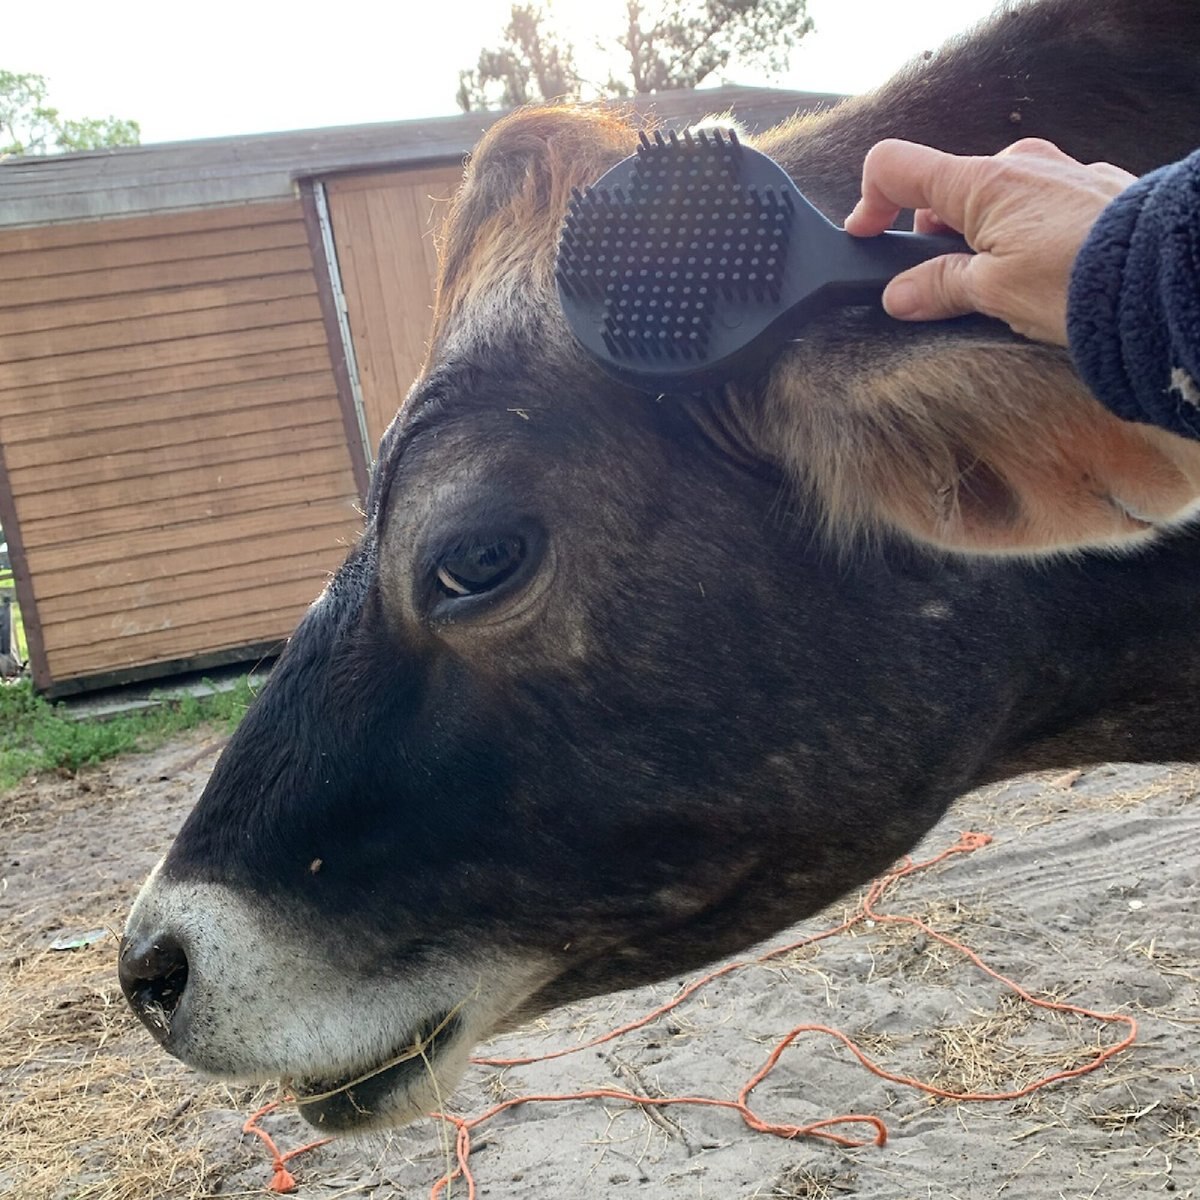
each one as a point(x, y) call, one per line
point(1133, 309)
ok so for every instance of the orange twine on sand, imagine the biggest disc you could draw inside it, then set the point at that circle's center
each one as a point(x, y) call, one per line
point(283, 1181)
point(825, 1128)
point(967, 843)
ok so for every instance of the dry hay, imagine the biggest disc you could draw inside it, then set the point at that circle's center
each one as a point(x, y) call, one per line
point(907, 951)
point(89, 1111)
point(80, 1115)
point(1003, 1049)
point(1044, 797)
point(805, 1182)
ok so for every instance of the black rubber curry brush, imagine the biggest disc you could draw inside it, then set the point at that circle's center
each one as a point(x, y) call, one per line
point(697, 258)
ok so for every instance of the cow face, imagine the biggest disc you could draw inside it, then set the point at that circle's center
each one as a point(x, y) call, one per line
point(474, 785)
point(609, 687)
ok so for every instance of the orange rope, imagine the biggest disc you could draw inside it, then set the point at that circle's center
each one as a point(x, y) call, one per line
point(825, 1128)
point(966, 844)
point(282, 1181)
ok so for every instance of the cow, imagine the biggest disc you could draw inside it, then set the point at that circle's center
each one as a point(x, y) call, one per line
point(613, 685)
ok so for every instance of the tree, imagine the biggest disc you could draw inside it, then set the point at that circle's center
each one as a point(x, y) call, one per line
point(664, 44)
point(532, 64)
point(29, 125)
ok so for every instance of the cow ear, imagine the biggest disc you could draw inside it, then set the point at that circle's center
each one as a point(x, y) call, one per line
point(502, 233)
point(971, 442)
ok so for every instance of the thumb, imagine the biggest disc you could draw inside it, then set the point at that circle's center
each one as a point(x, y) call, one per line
point(935, 289)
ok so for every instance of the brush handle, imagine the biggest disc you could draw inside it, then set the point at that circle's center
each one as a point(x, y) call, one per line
point(696, 259)
point(865, 266)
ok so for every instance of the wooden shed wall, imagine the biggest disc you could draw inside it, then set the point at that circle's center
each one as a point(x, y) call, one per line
point(174, 446)
point(384, 229)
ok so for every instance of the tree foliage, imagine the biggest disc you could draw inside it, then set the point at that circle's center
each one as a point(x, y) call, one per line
point(531, 64)
point(662, 44)
point(30, 125)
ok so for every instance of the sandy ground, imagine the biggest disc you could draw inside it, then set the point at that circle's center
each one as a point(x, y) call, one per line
point(1087, 893)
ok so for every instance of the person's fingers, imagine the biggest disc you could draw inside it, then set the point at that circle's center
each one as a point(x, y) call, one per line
point(865, 221)
point(900, 175)
point(1114, 176)
point(936, 289)
point(925, 220)
point(1025, 210)
point(876, 210)
point(1036, 148)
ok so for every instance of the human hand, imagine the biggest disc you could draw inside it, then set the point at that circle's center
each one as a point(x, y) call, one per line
point(1025, 211)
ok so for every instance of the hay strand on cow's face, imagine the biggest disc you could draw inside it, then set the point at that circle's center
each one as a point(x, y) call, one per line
point(416, 1050)
point(443, 1126)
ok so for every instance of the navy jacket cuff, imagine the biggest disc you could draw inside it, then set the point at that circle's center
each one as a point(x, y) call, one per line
point(1133, 310)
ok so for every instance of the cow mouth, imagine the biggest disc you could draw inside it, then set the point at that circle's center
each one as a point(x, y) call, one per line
point(386, 1093)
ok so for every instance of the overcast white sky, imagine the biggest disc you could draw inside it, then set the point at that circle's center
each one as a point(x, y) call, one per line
point(186, 69)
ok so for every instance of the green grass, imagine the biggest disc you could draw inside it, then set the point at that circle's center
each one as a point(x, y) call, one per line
point(38, 736)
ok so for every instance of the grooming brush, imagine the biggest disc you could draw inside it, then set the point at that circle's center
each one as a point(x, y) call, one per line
point(697, 258)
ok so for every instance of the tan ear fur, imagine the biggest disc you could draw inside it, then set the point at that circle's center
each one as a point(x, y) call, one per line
point(958, 435)
point(979, 445)
point(497, 260)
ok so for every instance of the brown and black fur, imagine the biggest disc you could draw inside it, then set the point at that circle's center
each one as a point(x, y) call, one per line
point(734, 681)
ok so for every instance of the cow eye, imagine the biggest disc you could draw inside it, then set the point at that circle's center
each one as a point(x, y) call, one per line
point(478, 566)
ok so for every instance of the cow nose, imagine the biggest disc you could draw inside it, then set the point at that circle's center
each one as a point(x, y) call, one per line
point(153, 974)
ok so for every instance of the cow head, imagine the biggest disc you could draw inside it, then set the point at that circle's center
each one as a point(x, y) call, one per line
point(614, 685)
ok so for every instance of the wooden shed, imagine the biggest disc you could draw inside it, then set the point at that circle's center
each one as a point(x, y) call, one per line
point(200, 346)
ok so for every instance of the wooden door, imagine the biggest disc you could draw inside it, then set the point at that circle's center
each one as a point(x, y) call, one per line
point(384, 226)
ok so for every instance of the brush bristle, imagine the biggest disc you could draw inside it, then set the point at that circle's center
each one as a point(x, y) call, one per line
point(683, 233)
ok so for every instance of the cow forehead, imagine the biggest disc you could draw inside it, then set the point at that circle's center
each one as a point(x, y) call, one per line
point(499, 245)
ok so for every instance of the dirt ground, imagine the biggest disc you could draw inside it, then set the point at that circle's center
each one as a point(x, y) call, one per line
point(1087, 893)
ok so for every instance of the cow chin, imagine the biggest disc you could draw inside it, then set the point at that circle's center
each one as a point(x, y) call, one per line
point(248, 995)
point(412, 1080)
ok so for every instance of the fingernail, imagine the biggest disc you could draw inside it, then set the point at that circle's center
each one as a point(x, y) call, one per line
point(900, 299)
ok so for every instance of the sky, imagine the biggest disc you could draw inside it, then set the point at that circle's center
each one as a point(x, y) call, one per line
point(189, 70)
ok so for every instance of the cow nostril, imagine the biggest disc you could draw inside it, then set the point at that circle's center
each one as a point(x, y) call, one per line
point(153, 975)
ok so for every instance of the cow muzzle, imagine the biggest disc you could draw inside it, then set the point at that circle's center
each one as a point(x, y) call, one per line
point(247, 988)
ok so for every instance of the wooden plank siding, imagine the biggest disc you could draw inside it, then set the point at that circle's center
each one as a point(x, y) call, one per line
point(68, 189)
point(173, 442)
point(384, 229)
